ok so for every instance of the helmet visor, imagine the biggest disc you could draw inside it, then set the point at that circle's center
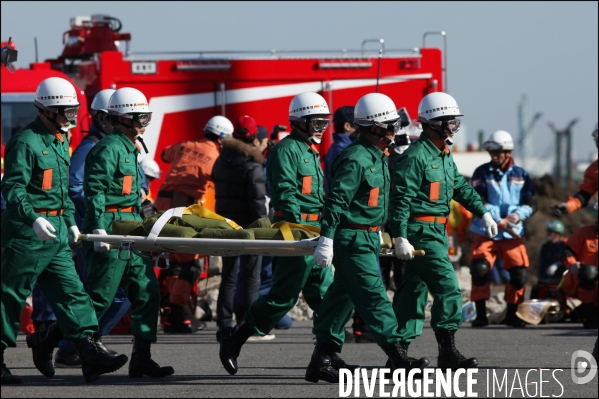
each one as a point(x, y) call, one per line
point(319, 124)
point(143, 119)
point(492, 146)
point(453, 125)
point(392, 126)
point(70, 113)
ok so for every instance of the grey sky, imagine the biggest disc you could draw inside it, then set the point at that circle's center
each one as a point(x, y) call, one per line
point(497, 51)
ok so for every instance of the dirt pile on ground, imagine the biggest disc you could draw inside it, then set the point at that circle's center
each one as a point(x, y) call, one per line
point(548, 192)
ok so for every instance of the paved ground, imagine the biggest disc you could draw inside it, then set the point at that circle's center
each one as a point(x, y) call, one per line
point(276, 368)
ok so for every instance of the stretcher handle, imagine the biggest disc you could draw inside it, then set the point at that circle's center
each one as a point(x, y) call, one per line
point(418, 252)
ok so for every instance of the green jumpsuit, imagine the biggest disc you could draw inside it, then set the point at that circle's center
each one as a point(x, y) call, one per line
point(112, 180)
point(357, 201)
point(36, 178)
point(295, 186)
point(424, 182)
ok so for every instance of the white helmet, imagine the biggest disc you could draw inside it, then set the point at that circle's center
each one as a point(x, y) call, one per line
point(376, 108)
point(150, 168)
point(55, 92)
point(499, 141)
point(305, 104)
point(100, 101)
point(435, 105)
point(220, 126)
point(130, 103)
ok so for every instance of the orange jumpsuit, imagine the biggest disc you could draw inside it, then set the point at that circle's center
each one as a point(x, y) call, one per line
point(583, 246)
point(187, 180)
point(190, 171)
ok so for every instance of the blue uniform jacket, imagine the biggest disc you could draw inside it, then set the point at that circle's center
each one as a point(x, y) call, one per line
point(503, 194)
point(340, 141)
point(76, 173)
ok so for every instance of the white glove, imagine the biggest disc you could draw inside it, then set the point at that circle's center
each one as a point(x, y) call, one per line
point(489, 225)
point(323, 254)
point(73, 234)
point(43, 229)
point(575, 268)
point(403, 249)
point(101, 246)
point(551, 269)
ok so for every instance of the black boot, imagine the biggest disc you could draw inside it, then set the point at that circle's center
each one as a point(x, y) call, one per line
point(399, 359)
point(42, 344)
point(232, 339)
point(176, 322)
point(102, 348)
point(511, 318)
point(7, 377)
point(481, 314)
point(93, 362)
point(449, 356)
point(142, 364)
point(325, 364)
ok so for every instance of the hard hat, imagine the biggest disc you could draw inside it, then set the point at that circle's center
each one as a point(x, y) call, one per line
point(128, 101)
point(100, 101)
point(55, 92)
point(306, 104)
point(220, 126)
point(435, 105)
point(556, 226)
point(375, 108)
point(150, 168)
point(499, 141)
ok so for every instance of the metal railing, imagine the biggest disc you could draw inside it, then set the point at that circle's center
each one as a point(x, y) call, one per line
point(232, 54)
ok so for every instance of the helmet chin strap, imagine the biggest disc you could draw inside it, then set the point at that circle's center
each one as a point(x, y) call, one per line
point(57, 125)
point(306, 134)
point(448, 140)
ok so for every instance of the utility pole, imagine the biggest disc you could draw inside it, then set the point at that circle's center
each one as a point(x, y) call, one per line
point(559, 135)
point(525, 127)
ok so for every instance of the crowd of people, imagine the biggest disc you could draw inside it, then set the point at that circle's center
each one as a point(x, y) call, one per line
point(384, 175)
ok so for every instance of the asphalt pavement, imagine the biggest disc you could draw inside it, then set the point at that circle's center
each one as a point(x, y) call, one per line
point(512, 357)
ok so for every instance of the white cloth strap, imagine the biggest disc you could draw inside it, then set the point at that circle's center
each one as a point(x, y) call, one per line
point(164, 219)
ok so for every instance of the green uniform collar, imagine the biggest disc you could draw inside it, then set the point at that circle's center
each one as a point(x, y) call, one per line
point(432, 148)
point(46, 135)
point(130, 145)
point(302, 142)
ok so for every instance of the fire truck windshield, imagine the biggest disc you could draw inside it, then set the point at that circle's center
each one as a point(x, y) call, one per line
point(15, 116)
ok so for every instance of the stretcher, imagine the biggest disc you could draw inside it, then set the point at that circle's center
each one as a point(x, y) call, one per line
point(211, 246)
point(214, 246)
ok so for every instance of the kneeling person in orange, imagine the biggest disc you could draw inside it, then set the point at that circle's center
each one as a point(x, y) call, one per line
point(580, 281)
point(186, 183)
point(507, 191)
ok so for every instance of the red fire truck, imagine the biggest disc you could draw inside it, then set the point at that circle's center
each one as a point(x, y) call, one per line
point(185, 89)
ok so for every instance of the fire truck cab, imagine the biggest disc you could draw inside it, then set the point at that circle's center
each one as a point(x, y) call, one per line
point(185, 89)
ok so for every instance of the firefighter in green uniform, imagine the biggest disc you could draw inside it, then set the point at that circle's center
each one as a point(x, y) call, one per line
point(295, 185)
point(424, 182)
point(37, 228)
point(112, 186)
point(355, 209)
